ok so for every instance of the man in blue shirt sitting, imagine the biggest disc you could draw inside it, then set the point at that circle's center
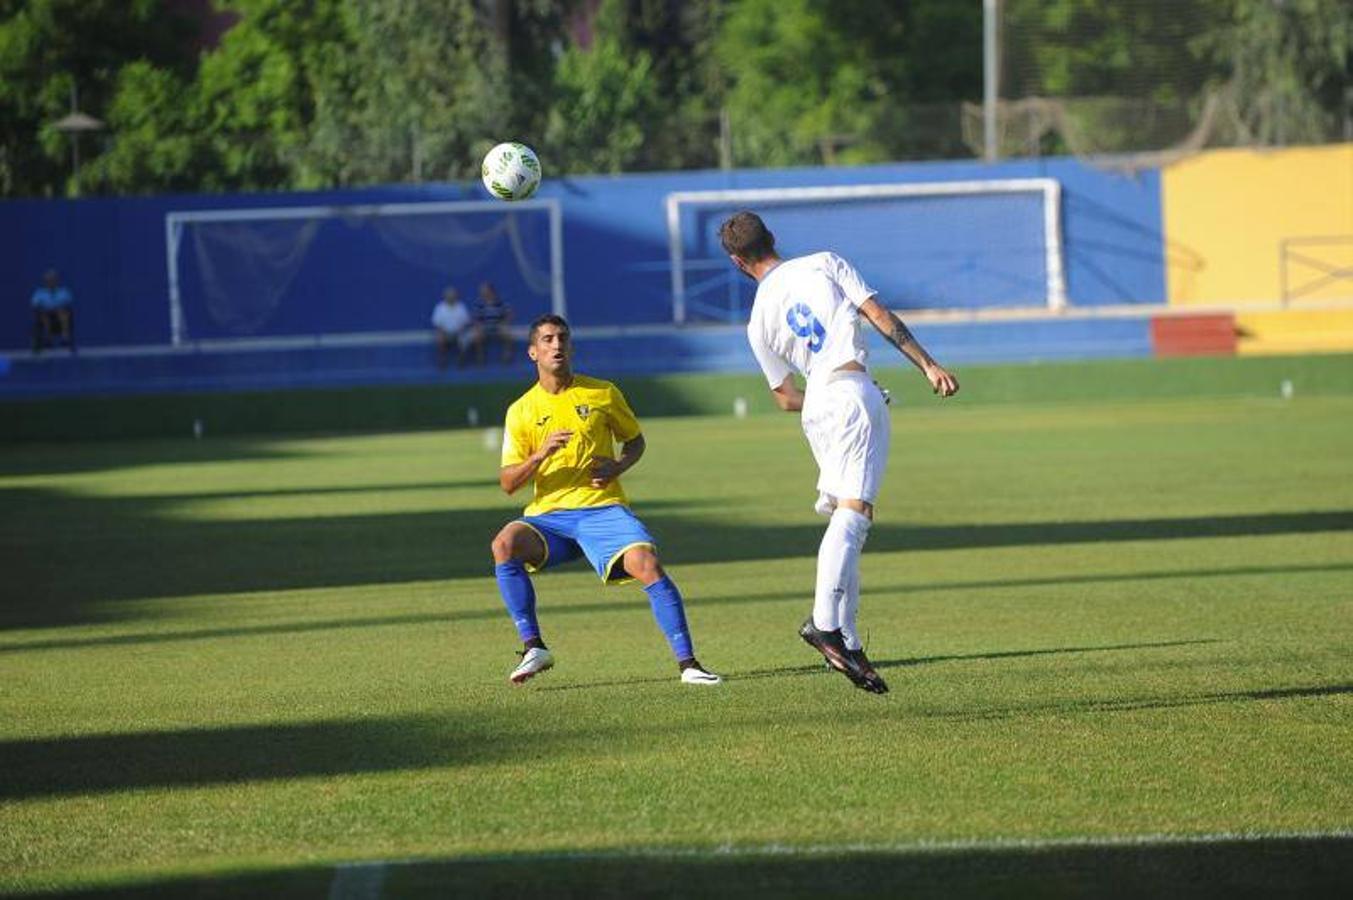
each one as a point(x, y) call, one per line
point(52, 316)
point(491, 318)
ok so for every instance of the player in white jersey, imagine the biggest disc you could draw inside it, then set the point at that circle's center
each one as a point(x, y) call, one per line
point(806, 320)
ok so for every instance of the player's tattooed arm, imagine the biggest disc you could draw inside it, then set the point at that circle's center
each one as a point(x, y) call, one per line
point(895, 332)
point(899, 335)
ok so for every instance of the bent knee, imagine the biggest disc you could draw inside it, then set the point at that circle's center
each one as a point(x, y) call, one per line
point(642, 563)
point(502, 546)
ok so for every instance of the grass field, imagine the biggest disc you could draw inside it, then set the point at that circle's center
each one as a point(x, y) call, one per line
point(1118, 635)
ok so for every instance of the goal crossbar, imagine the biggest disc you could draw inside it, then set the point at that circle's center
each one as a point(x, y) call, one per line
point(1048, 188)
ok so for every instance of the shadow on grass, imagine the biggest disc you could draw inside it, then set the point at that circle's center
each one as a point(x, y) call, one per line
point(550, 612)
point(114, 762)
point(1222, 867)
point(60, 458)
point(76, 556)
point(1128, 704)
point(327, 490)
point(819, 668)
point(103, 763)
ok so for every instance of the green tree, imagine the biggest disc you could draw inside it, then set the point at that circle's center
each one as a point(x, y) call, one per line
point(428, 87)
point(678, 39)
point(1140, 74)
point(812, 81)
point(606, 101)
point(153, 142)
point(328, 93)
point(1289, 65)
point(241, 120)
point(52, 49)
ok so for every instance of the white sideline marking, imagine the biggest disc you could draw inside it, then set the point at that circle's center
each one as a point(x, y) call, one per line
point(358, 881)
point(925, 847)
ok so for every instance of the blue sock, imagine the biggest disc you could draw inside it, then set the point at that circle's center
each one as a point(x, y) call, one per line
point(519, 596)
point(665, 599)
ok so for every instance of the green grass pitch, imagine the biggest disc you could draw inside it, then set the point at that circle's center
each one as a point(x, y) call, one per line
point(1117, 633)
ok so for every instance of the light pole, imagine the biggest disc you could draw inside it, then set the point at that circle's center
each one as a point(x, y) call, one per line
point(991, 20)
point(74, 124)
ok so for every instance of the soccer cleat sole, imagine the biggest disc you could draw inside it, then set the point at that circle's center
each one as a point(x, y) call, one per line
point(524, 677)
point(839, 661)
point(520, 676)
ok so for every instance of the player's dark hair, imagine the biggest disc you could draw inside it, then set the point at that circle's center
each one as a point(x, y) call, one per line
point(547, 319)
point(744, 234)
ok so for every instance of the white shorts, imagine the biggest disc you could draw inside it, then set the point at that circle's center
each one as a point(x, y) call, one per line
point(846, 423)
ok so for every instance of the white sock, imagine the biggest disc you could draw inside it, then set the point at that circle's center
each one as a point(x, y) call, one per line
point(847, 611)
point(838, 563)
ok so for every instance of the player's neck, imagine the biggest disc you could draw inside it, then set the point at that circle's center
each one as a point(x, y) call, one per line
point(761, 268)
point(555, 382)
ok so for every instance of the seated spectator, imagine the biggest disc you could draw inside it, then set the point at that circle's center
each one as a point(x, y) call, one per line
point(53, 318)
point(453, 324)
point(491, 317)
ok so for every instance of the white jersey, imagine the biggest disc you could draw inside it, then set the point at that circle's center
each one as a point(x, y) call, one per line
point(450, 319)
point(806, 318)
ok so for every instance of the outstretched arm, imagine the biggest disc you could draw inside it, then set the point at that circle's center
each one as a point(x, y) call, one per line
point(897, 334)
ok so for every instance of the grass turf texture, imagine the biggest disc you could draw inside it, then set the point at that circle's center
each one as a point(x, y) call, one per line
point(255, 658)
point(409, 407)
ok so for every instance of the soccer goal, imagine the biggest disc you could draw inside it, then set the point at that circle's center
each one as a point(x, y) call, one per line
point(932, 245)
point(354, 272)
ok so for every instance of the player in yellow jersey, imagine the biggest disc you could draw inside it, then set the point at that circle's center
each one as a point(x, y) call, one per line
point(561, 436)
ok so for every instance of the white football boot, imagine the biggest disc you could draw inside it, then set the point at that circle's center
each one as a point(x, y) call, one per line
point(533, 662)
point(697, 675)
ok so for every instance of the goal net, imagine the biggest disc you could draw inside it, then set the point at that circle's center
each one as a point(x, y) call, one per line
point(932, 245)
point(354, 271)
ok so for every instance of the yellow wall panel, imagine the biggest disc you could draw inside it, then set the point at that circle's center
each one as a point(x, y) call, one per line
point(1295, 330)
point(1227, 213)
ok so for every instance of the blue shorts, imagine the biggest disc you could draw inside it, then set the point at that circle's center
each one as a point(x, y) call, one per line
point(601, 533)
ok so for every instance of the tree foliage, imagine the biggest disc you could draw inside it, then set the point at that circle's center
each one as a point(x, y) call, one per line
point(1289, 65)
point(323, 93)
point(607, 106)
point(800, 89)
point(54, 50)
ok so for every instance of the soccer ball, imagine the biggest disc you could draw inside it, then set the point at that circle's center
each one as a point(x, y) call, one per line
point(511, 171)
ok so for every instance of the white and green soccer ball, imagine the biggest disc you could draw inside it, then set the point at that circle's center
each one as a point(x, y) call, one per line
point(511, 171)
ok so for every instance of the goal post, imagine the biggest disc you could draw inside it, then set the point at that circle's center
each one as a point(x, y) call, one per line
point(282, 257)
point(880, 212)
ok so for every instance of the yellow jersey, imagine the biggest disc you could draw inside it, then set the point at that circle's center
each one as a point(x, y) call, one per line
point(597, 414)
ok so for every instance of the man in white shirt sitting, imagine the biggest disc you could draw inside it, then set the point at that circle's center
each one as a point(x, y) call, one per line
point(452, 321)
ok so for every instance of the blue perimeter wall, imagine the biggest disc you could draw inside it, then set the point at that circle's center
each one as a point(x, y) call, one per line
point(111, 251)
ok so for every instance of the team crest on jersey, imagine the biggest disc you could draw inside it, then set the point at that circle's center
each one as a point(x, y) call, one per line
point(583, 411)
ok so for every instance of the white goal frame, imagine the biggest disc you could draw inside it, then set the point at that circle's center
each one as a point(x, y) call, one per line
point(1048, 188)
point(174, 222)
